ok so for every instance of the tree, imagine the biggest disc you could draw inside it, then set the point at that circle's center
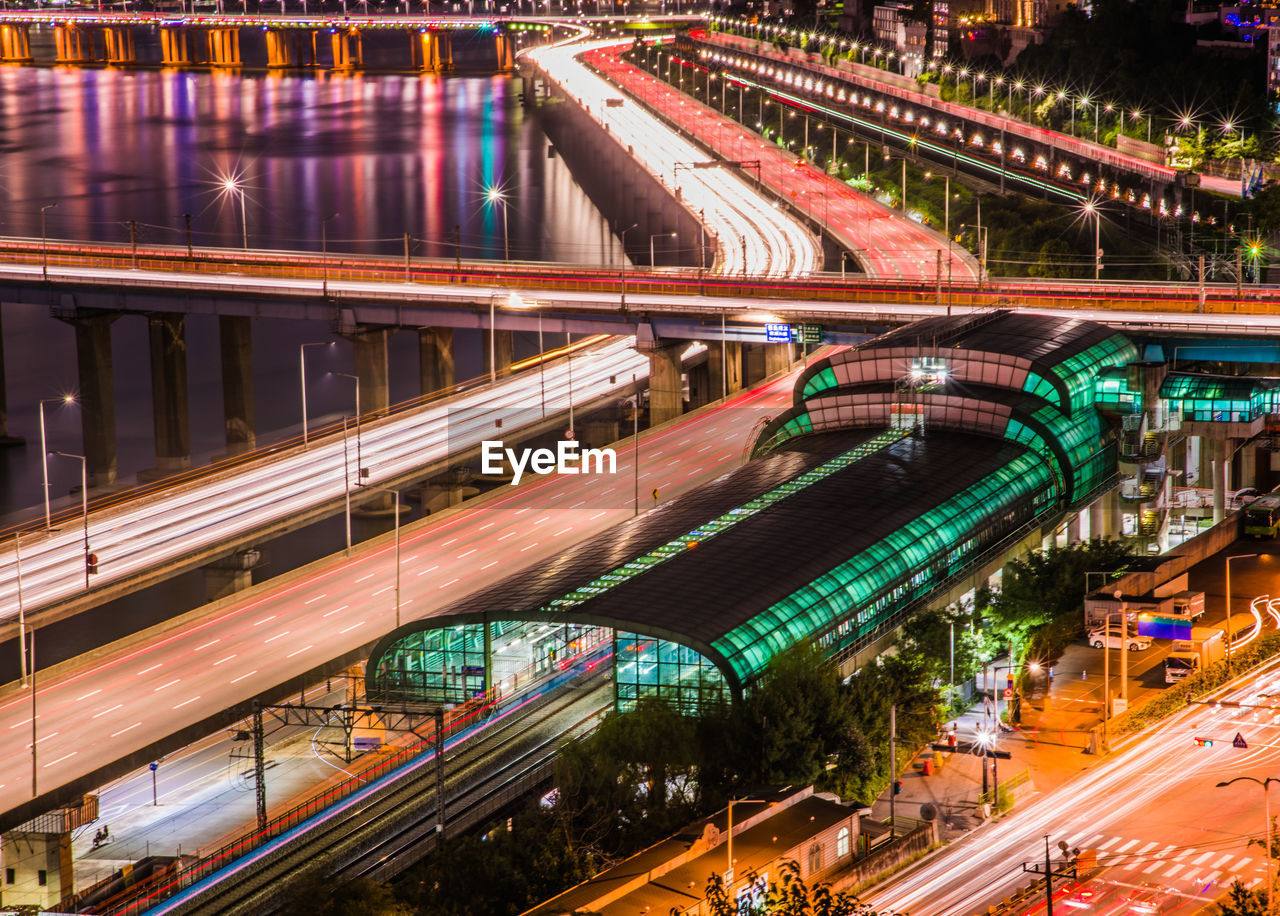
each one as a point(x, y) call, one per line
point(790, 896)
point(927, 642)
point(1057, 261)
point(314, 893)
point(1243, 902)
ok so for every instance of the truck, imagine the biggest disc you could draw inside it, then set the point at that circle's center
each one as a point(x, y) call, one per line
point(1188, 656)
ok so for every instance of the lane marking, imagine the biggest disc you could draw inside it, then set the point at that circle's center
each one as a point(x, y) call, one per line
point(352, 627)
point(299, 651)
point(315, 599)
point(212, 642)
point(274, 638)
point(243, 676)
point(91, 693)
point(258, 623)
point(221, 660)
point(105, 711)
point(170, 684)
point(123, 730)
point(185, 702)
point(148, 670)
point(335, 610)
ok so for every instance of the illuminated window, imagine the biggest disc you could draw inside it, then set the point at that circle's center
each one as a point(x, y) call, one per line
point(842, 842)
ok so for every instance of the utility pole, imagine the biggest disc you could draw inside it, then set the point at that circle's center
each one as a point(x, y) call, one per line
point(259, 766)
point(439, 742)
point(1069, 871)
point(893, 767)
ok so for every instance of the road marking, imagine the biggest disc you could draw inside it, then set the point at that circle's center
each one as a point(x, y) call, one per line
point(404, 604)
point(212, 642)
point(185, 702)
point(258, 623)
point(363, 578)
point(221, 660)
point(1153, 866)
point(564, 531)
point(315, 599)
point(597, 515)
point(1146, 849)
point(703, 449)
point(352, 627)
point(530, 547)
point(123, 730)
point(467, 554)
point(243, 676)
point(381, 590)
point(1127, 846)
point(60, 759)
point(103, 713)
point(89, 694)
point(576, 505)
point(170, 684)
point(1202, 858)
point(274, 638)
point(335, 610)
point(1173, 871)
point(1224, 860)
point(448, 542)
point(146, 670)
point(488, 565)
point(541, 520)
point(299, 651)
point(46, 737)
point(1114, 839)
point(447, 584)
point(523, 511)
point(491, 524)
point(509, 534)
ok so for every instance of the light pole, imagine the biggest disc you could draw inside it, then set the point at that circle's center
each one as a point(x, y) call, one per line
point(44, 243)
point(396, 508)
point(22, 617)
point(1091, 208)
point(302, 380)
point(494, 195)
point(1231, 633)
point(622, 240)
point(44, 453)
point(231, 185)
point(361, 471)
point(324, 253)
point(1266, 813)
point(660, 235)
point(84, 508)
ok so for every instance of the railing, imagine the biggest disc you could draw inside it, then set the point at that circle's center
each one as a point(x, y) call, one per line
point(1005, 788)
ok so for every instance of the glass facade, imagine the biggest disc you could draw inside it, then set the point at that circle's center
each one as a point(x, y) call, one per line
point(444, 665)
point(646, 666)
point(1202, 398)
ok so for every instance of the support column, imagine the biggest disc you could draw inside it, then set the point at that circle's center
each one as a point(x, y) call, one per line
point(778, 357)
point(5, 438)
point(119, 41)
point(503, 351)
point(726, 379)
point(666, 385)
point(435, 359)
point(73, 45)
point(1073, 529)
point(235, 336)
point(1248, 465)
point(175, 47)
point(97, 395)
point(223, 578)
point(446, 490)
point(506, 53)
point(224, 47)
point(1097, 525)
point(15, 43)
point(424, 51)
point(444, 50)
point(279, 50)
point(370, 345)
point(169, 404)
point(1220, 450)
point(348, 51)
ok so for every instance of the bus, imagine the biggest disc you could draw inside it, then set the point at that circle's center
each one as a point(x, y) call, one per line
point(1262, 517)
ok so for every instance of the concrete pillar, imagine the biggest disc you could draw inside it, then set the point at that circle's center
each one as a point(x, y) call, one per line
point(424, 51)
point(370, 345)
point(445, 490)
point(1248, 465)
point(778, 357)
point(72, 44)
point(701, 389)
point(169, 403)
point(503, 351)
point(1205, 452)
point(752, 363)
point(119, 43)
point(1074, 535)
point(725, 377)
point(223, 578)
point(235, 336)
point(435, 359)
point(1221, 469)
point(97, 395)
point(279, 50)
point(175, 47)
point(666, 384)
point(41, 866)
point(506, 53)
point(444, 52)
point(348, 51)
point(5, 438)
point(223, 47)
point(15, 43)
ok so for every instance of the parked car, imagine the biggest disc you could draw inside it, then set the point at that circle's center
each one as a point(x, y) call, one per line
point(1113, 640)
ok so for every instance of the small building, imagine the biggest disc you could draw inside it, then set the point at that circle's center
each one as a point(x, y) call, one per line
point(813, 829)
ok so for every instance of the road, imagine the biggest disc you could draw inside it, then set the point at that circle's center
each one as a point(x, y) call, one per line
point(97, 710)
point(752, 234)
point(1151, 810)
point(890, 246)
point(138, 535)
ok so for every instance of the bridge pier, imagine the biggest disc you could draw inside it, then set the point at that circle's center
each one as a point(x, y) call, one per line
point(506, 48)
point(175, 47)
point(223, 47)
point(169, 406)
point(503, 350)
point(445, 491)
point(666, 384)
point(5, 438)
point(435, 359)
point(289, 48)
point(229, 575)
point(235, 338)
point(119, 44)
point(724, 368)
point(370, 346)
point(15, 43)
point(431, 51)
point(73, 45)
point(348, 50)
point(97, 394)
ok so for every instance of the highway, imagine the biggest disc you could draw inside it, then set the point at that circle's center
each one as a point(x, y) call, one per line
point(753, 236)
point(98, 709)
point(1152, 811)
point(889, 246)
point(141, 534)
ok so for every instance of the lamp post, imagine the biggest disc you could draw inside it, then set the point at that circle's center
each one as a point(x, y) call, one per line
point(231, 185)
point(361, 471)
point(44, 243)
point(324, 254)
point(660, 235)
point(1091, 208)
point(494, 195)
point(1266, 813)
point(1033, 667)
point(622, 240)
point(1231, 633)
point(302, 380)
point(396, 508)
point(22, 616)
point(84, 507)
point(44, 453)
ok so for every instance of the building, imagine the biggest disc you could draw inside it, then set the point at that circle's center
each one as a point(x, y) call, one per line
point(894, 28)
point(814, 830)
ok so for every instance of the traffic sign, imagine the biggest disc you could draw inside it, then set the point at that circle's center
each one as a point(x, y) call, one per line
point(777, 333)
point(1008, 693)
point(1239, 741)
point(809, 333)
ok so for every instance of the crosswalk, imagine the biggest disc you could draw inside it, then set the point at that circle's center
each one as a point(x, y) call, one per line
point(1130, 860)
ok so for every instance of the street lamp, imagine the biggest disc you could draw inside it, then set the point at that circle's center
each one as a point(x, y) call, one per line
point(44, 243)
point(622, 240)
point(44, 452)
point(84, 508)
point(494, 195)
point(396, 508)
point(361, 471)
point(1231, 633)
point(1091, 208)
point(302, 373)
point(22, 616)
point(660, 235)
point(324, 253)
point(231, 185)
point(1266, 813)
